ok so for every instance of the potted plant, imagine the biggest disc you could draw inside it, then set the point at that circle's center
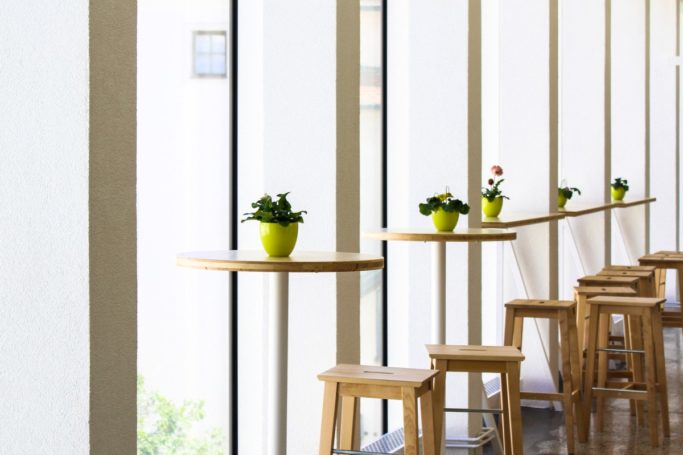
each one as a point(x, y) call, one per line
point(564, 194)
point(445, 210)
point(619, 189)
point(492, 196)
point(279, 226)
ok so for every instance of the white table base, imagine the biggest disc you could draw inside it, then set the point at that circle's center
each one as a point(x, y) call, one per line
point(278, 301)
point(439, 292)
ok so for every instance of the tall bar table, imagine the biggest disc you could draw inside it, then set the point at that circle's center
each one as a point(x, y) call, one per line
point(438, 241)
point(279, 270)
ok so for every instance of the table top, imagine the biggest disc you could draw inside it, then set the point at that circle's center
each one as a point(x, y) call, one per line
point(259, 261)
point(579, 209)
point(633, 202)
point(431, 235)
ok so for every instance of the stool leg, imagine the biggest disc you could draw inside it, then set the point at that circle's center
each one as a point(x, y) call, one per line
point(427, 413)
point(650, 378)
point(575, 355)
point(347, 433)
point(636, 335)
point(509, 329)
point(661, 370)
point(505, 415)
point(590, 368)
point(439, 395)
point(568, 383)
point(580, 322)
point(603, 340)
point(409, 421)
point(514, 408)
point(679, 272)
point(629, 359)
point(328, 418)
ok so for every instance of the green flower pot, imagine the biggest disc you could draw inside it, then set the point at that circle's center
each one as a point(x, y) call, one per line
point(618, 193)
point(278, 240)
point(492, 208)
point(445, 221)
point(561, 201)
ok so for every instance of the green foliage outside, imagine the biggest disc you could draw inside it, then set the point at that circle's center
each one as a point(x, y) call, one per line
point(165, 428)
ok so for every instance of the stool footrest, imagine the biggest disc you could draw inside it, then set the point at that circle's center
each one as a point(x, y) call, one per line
point(474, 410)
point(357, 452)
point(620, 393)
point(621, 351)
point(543, 396)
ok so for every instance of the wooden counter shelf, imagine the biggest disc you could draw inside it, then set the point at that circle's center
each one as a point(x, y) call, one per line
point(633, 203)
point(585, 209)
point(510, 220)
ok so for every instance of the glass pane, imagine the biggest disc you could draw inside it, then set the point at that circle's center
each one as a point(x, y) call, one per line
point(183, 205)
point(202, 64)
point(371, 202)
point(202, 43)
point(218, 65)
point(218, 43)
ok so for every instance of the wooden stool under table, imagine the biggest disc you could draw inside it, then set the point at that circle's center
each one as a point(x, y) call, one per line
point(664, 260)
point(481, 359)
point(351, 382)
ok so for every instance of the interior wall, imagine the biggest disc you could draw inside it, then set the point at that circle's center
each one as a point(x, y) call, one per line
point(44, 269)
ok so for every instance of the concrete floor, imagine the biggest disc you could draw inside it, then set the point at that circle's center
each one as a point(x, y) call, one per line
point(544, 429)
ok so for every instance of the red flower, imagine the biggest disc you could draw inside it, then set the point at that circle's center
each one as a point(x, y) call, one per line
point(496, 170)
point(490, 181)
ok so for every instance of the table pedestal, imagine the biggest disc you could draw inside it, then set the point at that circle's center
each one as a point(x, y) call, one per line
point(276, 432)
point(439, 292)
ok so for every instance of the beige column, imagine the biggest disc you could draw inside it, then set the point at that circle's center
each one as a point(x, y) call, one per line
point(607, 197)
point(112, 236)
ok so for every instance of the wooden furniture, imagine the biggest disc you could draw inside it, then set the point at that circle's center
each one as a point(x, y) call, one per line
point(662, 261)
point(646, 279)
point(581, 295)
point(438, 241)
point(597, 280)
point(345, 384)
point(516, 219)
point(563, 311)
point(640, 310)
point(504, 360)
point(278, 270)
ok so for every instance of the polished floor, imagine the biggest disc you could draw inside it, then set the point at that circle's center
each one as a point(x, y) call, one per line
point(544, 431)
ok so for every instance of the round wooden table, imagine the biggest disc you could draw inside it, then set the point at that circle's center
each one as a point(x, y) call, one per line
point(278, 269)
point(439, 240)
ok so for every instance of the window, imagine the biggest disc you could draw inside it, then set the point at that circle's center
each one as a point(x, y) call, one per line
point(209, 54)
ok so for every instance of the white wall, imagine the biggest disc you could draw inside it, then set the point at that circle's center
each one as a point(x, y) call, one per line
point(44, 225)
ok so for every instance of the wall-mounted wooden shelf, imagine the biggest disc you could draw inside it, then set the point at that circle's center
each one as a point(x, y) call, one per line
point(633, 203)
point(584, 209)
point(510, 220)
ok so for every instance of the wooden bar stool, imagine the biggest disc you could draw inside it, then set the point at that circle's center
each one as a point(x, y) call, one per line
point(581, 295)
point(645, 311)
point(646, 279)
point(664, 260)
point(351, 382)
point(597, 280)
point(481, 359)
point(563, 311)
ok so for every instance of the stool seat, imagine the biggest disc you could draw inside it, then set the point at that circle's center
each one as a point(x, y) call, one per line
point(636, 273)
point(661, 258)
point(475, 353)
point(376, 375)
point(597, 280)
point(639, 268)
point(627, 301)
point(592, 291)
point(538, 304)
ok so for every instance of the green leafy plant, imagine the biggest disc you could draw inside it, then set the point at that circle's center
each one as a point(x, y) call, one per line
point(279, 211)
point(444, 201)
point(165, 428)
point(568, 192)
point(620, 183)
point(492, 191)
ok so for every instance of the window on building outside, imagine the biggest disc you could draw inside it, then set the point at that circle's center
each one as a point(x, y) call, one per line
point(209, 53)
